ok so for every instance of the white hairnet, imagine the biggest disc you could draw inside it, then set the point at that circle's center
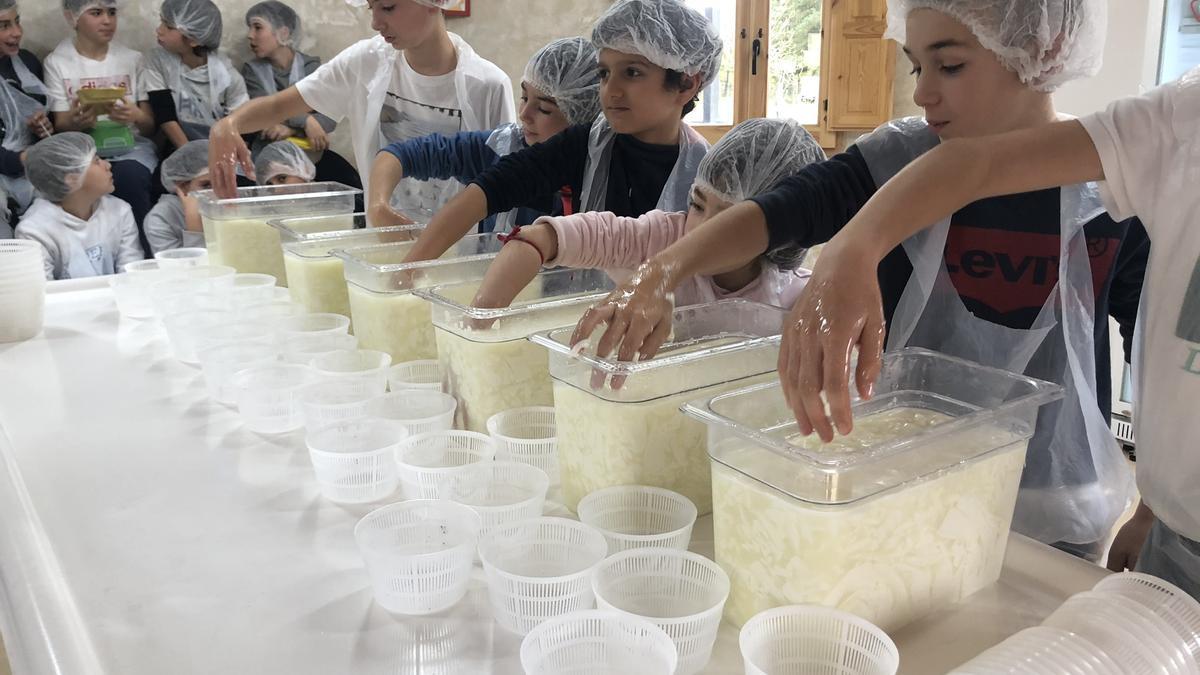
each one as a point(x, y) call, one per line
point(185, 164)
point(6, 5)
point(278, 16)
point(436, 4)
point(667, 32)
point(751, 159)
point(1045, 42)
point(283, 158)
point(567, 70)
point(199, 20)
point(55, 165)
point(77, 7)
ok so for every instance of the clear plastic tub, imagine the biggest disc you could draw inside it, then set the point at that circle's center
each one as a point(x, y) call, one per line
point(1180, 610)
point(182, 257)
point(420, 374)
point(367, 367)
point(539, 569)
point(681, 592)
point(387, 316)
point(804, 639)
point(324, 403)
point(429, 462)
point(638, 516)
point(353, 459)
point(595, 642)
point(619, 422)
point(419, 554)
point(221, 363)
point(527, 435)
point(316, 276)
point(909, 514)
point(500, 492)
point(236, 232)
point(419, 411)
point(267, 397)
point(486, 353)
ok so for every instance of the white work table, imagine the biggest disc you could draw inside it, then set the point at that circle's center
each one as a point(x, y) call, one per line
point(143, 530)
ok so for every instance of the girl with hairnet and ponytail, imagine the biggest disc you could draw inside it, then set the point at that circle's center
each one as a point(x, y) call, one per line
point(1024, 283)
point(655, 57)
point(92, 60)
point(748, 160)
point(560, 88)
point(175, 219)
point(190, 85)
point(23, 117)
point(411, 80)
point(83, 230)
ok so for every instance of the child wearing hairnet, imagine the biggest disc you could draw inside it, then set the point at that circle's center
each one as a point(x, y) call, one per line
point(23, 117)
point(84, 231)
point(274, 35)
point(90, 59)
point(174, 221)
point(190, 85)
point(997, 282)
point(411, 80)
point(1146, 150)
point(655, 57)
point(560, 88)
point(748, 160)
point(283, 163)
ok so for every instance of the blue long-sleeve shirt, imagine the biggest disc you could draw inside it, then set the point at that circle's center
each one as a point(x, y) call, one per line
point(463, 157)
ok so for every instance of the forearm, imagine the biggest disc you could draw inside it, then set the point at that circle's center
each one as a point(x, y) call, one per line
point(175, 134)
point(724, 243)
point(386, 174)
point(145, 120)
point(64, 121)
point(518, 263)
point(451, 223)
point(267, 111)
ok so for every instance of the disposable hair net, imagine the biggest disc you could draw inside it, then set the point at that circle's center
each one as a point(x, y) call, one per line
point(199, 20)
point(668, 33)
point(55, 166)
point(185, 164)
point(283, 158)
point(278, 16)
point(751, 159)
point(1045, 42)
point(436, 4)
point(6, 5)
point(75, 8)
point(567, 70)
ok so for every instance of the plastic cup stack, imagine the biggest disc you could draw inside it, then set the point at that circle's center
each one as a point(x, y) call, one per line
point(182, 257)
point(22, 289)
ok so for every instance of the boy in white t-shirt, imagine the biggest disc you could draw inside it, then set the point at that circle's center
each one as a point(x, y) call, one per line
point(1147, 152)
point(411, 80)
point(91, 60)
point(190, 85)
point(83, 230)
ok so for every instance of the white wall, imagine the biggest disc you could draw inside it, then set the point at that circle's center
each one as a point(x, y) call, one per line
point(1130, 58)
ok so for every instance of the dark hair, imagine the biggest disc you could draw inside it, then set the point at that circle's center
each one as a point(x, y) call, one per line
point(674, 79)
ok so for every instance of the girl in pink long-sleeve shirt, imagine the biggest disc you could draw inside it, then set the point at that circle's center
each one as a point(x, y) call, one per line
point(749, 159)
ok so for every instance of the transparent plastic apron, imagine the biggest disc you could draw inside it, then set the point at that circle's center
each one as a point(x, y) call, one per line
point(505, 140)
point(198, 103)
point(1076, 483)
point(674, 195)
point(16, 108)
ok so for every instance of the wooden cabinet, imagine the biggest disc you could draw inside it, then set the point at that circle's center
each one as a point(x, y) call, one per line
point(858, 77)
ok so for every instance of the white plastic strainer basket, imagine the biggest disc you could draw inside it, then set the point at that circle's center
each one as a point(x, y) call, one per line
point(1165, 599)
point(182, 257)
point(428, 462)
point(500, 492)
point(637, 516)
point(267, 397)
point(592, 641)
point(222, 362)
point(367, 366)
point(418, 554)
point(1041, 650)
point(302, 349)
point(324, 403)
point(420, 411)
point(814, 640)
point(353, 459)
point(313, 325)
point(1132, 635)
point(424, 374)
point(681, 592)
point(182, 328)
point(539, 569)
point(527, 435)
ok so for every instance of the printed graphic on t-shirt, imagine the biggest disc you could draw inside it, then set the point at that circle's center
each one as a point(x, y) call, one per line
point(403, 118)
point(1188, 325)
point(73, 85)
point(1014, 272)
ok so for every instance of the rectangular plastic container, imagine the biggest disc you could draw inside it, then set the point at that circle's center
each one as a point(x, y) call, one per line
point(387, 315)
point(486, 353)
point(316, 277)
point(236, 232)
point(619, 422)
point(908, 514)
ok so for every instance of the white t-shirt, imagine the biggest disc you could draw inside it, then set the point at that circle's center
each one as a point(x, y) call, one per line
point(74, 248)
point(67, 71)
point(417, 106)
point(1150, 149)
point(202, 95)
